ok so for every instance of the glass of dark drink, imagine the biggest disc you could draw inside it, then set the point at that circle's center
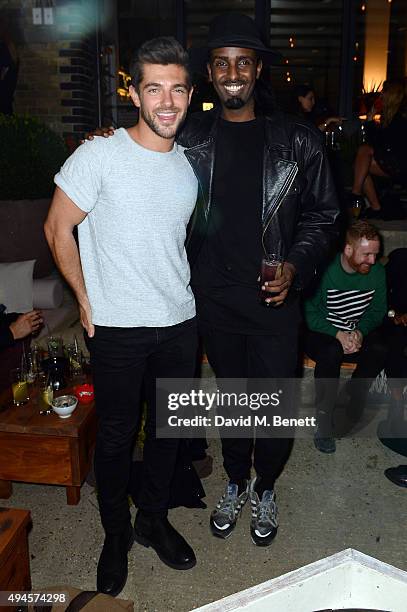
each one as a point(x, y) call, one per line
point(271, 268)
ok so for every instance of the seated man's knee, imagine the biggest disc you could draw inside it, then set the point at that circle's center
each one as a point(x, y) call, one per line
point(377, 350)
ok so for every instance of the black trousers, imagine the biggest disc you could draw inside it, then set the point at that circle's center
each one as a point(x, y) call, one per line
point(122, 359)
point(252, 356)
point(396, 339)
point(327, 352)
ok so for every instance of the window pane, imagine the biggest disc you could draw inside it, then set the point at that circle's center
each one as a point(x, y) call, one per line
point(308, 34)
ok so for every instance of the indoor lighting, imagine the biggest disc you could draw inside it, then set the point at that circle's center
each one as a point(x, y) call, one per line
point(376, 31)
point(125, 82)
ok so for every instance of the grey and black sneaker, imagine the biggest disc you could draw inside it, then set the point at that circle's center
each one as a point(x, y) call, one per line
point(264, 523)
point(227, 511)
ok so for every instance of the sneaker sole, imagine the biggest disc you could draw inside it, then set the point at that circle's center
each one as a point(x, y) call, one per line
point(147, 544)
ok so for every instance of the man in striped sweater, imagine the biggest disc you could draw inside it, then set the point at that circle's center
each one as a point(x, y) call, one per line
point(342, 316)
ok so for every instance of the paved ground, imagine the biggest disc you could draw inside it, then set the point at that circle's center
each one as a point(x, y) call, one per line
point(327, 504)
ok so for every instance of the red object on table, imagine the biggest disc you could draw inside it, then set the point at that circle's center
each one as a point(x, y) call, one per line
point(84, 393)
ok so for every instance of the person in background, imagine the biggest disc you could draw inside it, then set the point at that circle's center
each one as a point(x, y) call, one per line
point(342, 316)
point(14, 330)
point(14, 326)
point(305, 106)
point(385, 153)
point(395, 333)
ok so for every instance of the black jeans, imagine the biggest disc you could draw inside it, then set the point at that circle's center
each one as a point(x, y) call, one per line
point(122, 359)
point(252, 356)
point(327, 352)
point(396, 339)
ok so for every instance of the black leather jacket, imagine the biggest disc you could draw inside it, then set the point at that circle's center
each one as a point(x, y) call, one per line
point(299, 200)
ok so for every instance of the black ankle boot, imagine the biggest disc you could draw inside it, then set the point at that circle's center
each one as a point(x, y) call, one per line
point(112, 566)
point(170, 546)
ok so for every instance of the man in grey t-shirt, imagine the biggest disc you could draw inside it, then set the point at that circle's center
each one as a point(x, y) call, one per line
point(131, 197)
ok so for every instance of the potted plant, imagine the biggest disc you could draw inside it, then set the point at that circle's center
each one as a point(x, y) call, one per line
point(30, 155)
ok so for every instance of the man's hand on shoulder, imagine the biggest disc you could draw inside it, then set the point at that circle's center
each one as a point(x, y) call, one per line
point(100, 131)
point(280, 285)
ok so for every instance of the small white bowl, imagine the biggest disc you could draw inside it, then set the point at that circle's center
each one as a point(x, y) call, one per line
point(64, 405)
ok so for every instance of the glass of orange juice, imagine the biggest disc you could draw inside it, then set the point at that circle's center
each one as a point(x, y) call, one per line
point(19, 386)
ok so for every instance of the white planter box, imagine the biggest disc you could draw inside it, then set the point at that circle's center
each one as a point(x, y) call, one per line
point(346, 580)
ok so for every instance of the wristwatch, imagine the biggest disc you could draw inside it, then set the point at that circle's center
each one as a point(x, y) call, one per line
point(391, 313)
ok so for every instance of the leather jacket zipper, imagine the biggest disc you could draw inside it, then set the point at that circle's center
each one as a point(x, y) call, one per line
point(283, 193)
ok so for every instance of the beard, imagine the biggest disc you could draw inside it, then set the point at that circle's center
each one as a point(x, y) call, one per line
point(230, 101)
point(155, 126)
point(234, 103)
point(361, 268)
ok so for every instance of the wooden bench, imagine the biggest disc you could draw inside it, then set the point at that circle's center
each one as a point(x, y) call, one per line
point(307, 362)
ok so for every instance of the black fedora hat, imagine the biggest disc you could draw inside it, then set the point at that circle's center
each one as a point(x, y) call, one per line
point(232, 30)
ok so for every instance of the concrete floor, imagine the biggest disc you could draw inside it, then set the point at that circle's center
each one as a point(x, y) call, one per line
point(326, 503)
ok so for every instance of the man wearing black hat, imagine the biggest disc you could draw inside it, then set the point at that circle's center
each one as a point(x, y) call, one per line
point(266, 189)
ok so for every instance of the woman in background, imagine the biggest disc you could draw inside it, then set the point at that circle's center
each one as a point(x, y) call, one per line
point(385, 155)
point(305, 106)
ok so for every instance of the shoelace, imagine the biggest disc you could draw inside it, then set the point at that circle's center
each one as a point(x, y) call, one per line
point(226, 504)
point(267, 510)
point(228, 501)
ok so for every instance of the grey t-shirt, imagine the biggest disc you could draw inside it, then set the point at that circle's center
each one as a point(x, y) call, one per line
point(132, 240)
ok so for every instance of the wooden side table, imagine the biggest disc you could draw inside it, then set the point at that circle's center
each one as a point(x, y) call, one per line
point(14, 558)
point(45, 449)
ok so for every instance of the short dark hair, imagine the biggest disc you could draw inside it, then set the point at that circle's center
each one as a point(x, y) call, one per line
point(163, 50)
point(361, 229)
point(302, 90)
